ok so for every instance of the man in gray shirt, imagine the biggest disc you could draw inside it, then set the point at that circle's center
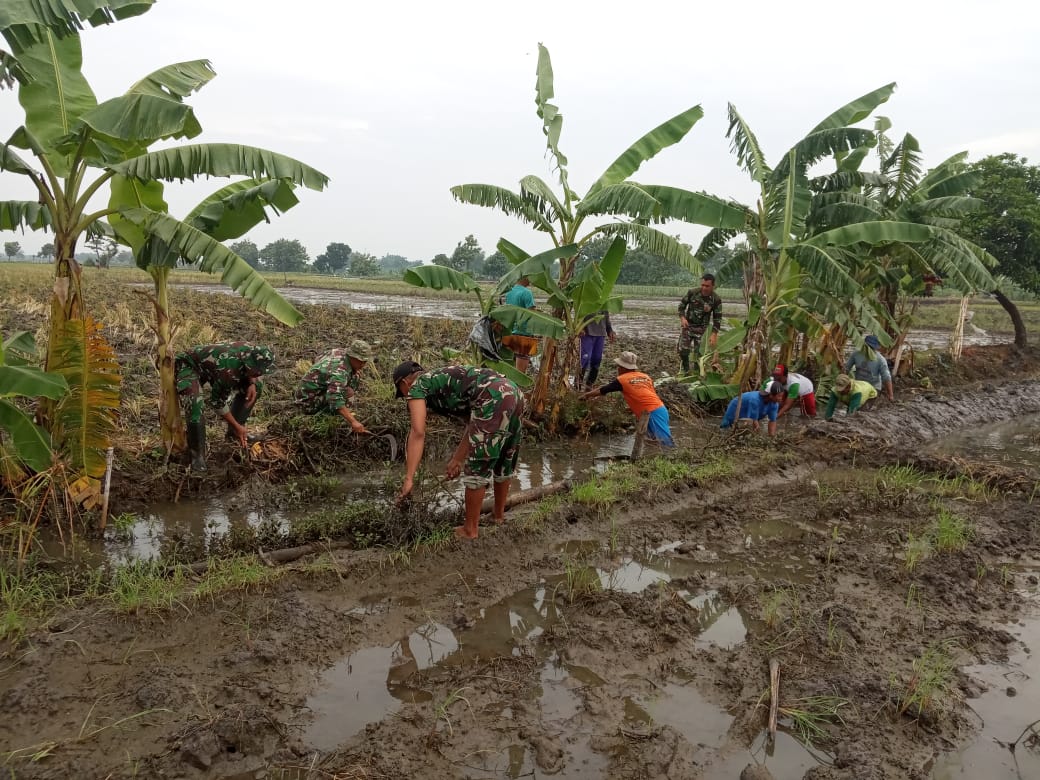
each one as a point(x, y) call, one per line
point(869, 365)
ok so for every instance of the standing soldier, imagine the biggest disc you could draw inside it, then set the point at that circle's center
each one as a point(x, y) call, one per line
point(334, 381)
point(696, 309)
point(228, 369)
point(491, 405)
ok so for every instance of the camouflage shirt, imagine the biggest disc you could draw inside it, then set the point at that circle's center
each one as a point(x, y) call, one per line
point(333, 377)
point(454, 390)
point(699, 310)
point(230, 365)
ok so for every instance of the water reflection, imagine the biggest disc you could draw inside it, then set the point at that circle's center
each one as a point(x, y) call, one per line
point(1014, 442)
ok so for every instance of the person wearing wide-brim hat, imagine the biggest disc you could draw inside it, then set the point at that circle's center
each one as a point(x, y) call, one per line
point(334, 381)
point(852, 392)
point(640, 395)
point(867, 364)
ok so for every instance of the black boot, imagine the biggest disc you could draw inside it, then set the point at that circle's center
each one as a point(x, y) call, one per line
point(593, 373)
point(197, 446)
point(684, 359)
point(240, 412)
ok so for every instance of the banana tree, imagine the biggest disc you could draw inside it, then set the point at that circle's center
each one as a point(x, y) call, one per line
point(81, 146)
point(439, 277)
point(795, 278)
point(613, 206)
point(224, 215)
point(902, 192)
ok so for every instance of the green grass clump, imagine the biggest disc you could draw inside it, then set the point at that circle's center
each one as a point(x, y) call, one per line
point(146, 586)
point(899, 479)
point(596, 493)
point(243, 573)
point(929, 684)
point(950, 532)
point(811, 714)
point(918, 548)
point(716, 467)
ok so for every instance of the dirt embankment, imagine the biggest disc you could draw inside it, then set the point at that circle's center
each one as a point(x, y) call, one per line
point(584, 640)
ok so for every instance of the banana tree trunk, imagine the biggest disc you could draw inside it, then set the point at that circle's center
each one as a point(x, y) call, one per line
point(67, 295)
point(171, 425)
point(540, 396)
point(1016, 318)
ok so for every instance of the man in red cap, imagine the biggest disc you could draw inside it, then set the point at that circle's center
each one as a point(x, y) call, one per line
point(797, 388)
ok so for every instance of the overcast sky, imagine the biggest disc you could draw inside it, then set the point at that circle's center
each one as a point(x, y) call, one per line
point(398, 101)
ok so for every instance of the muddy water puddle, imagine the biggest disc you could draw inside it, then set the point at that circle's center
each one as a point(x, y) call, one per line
point(144, 535)
point(1014, 443)
point(1009, 704)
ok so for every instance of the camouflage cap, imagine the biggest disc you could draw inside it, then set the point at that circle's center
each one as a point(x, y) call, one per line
point(360, 350)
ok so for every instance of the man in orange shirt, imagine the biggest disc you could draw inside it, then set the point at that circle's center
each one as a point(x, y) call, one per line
point(639, 393)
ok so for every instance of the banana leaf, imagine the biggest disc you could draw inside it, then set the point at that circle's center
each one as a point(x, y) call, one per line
point(85, 419)
point(534, 322)
point(30, 442)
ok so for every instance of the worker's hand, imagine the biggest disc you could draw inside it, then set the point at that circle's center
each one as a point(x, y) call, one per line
point(685, 324)
point(453, 469)
point(250, 395)
point(715, 364)
point(713, 339)
point(358, 427)
point(243, 438)
point(405, 492)
point(612, 337)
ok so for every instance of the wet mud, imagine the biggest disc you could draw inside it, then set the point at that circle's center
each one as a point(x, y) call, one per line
point(631, 641)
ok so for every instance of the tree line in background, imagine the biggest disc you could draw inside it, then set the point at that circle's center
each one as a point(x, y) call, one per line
point(822, 256)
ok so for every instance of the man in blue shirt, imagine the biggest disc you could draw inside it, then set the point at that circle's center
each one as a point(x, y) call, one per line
point(754, 406)
point(520, 341)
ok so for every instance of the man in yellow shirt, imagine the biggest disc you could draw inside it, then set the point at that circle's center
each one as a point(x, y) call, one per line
point(849, 391)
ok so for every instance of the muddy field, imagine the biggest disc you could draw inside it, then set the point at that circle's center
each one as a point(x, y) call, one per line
point(623, 629)
point(594, 639)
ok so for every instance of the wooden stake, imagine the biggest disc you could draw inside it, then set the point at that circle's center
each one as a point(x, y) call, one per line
point(774, 695)
point(640, 441)
point(108, 483)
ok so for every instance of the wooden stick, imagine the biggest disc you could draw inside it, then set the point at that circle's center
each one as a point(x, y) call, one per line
point(527, 496)
point(774, 695)
point(108, 484)
point(640, 440)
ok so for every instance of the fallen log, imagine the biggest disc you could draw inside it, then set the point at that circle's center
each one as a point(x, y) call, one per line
point(285, 555)
point(527, 496)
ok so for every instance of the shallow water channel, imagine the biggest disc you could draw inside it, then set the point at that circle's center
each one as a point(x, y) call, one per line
point(141, 537)
point(650, 318)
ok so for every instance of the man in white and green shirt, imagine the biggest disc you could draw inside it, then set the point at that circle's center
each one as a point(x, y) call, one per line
point(798, 388)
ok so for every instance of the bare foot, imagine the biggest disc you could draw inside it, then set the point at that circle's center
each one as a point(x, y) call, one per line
point(498, 520)
point(460, 532)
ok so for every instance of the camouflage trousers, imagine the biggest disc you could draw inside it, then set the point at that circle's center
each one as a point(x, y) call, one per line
point(315, 400)
point(189, 390)
point(495, 432)
point(691, 337)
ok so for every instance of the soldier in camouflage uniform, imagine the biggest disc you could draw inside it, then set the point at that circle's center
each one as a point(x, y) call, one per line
point(697, 309)
point(491, 405)
point(228, 369)
point(333, 382)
